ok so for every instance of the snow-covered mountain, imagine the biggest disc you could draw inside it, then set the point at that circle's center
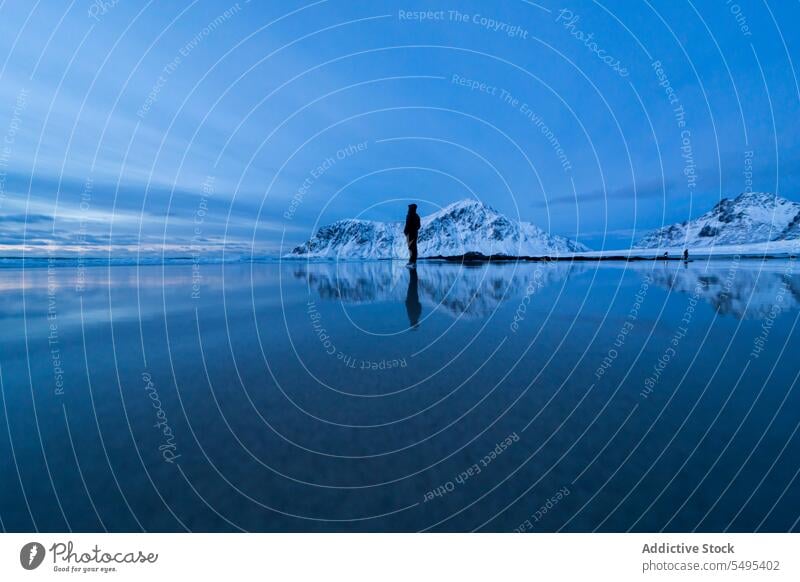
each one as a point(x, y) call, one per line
point(751, 217)
point(462, 227)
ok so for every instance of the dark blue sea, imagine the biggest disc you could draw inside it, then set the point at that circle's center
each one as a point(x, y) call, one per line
point(295, 396)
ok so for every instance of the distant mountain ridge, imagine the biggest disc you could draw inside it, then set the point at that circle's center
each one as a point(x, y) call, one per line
point(467, 226)
point(751, 217)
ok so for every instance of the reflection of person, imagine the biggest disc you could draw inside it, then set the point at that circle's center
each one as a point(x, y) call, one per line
point(413, 306)
point(411, 230)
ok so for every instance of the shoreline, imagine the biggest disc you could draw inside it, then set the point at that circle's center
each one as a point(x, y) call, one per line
point(467, 259)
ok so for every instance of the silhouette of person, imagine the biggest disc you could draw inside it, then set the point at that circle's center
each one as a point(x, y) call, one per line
point(411, 230)
point(685, 254)
point(413, 306)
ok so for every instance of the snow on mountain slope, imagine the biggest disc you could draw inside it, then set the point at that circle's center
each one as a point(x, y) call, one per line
point(462, 227)
point(751, 217)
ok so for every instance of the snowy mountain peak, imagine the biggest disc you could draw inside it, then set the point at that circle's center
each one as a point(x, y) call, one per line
point(751, 217)
point(466, 206)
point(466, 226)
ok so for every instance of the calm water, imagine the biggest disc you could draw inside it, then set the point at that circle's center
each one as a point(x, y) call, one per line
point(358, 397)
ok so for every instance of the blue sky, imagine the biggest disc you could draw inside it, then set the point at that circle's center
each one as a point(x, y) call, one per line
point(177, 127)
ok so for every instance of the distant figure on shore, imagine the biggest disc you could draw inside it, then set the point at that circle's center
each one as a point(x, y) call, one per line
point(411, 230)
point(665, 256)
point(685, 254)
point(413, 306)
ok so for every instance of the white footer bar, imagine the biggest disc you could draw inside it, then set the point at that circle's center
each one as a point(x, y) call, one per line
point(401, 557)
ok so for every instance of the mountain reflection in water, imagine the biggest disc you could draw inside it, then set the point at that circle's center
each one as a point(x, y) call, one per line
point(741, 289)
point(316, 396)
point(457, 290)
